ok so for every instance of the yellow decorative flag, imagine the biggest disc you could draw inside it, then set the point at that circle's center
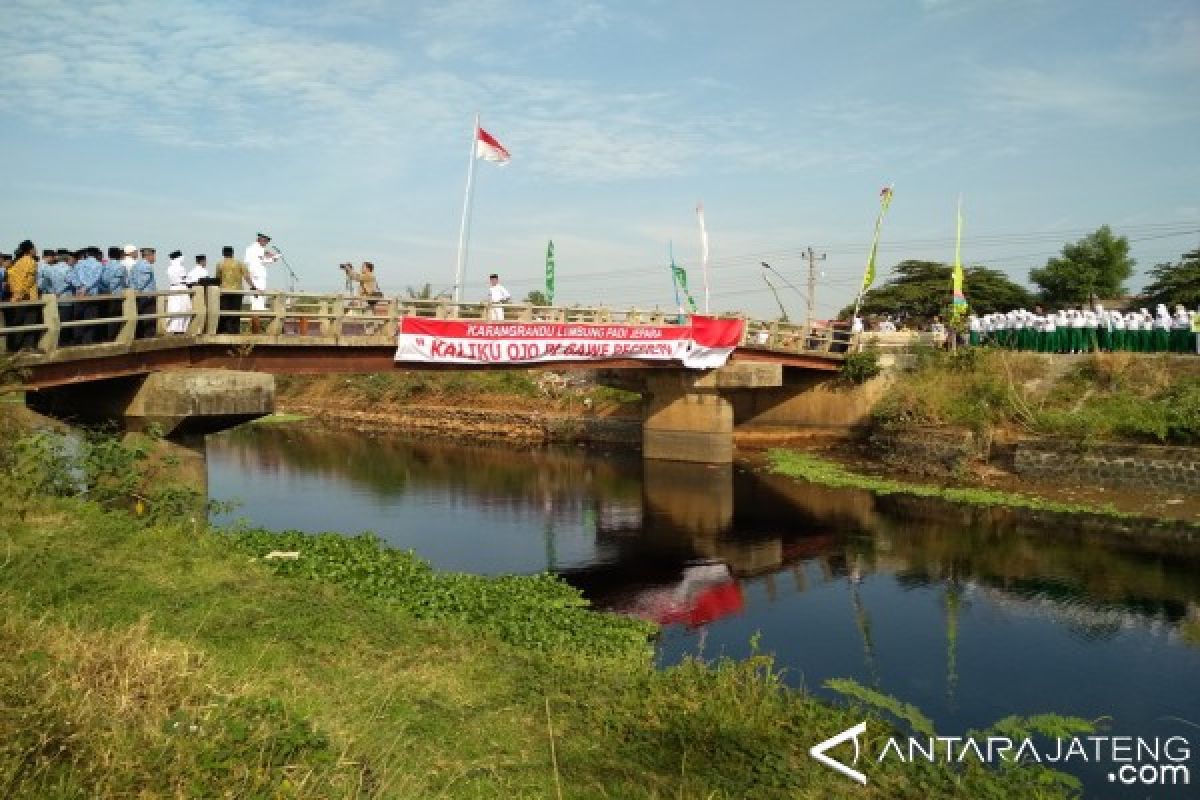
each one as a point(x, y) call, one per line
point(960, 299)
point(885, 200)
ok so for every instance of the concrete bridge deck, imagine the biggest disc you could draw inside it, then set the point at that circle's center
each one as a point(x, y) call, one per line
point(114, 357)
point(314, 333)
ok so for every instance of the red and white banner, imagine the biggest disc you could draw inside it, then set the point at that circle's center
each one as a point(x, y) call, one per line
point(702, 344)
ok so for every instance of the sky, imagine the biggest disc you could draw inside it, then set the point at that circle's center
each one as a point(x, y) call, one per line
point(343, 129)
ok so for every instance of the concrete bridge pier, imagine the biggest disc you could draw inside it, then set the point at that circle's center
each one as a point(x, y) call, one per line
point(688, 415)
point(179, 403)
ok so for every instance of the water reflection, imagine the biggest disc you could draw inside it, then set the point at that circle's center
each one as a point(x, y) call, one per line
point(971, 614)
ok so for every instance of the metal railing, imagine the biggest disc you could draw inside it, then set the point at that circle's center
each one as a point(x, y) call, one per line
point(57, 325)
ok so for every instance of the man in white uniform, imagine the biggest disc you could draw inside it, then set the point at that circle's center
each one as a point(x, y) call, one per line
point(497, 295)
point(179, 302)
point(257, 258)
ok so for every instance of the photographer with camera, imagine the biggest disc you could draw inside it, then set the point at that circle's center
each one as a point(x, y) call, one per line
point(368, 286)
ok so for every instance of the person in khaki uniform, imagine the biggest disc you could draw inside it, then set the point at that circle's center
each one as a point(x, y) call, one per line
point(233, 276)
point(23, 286)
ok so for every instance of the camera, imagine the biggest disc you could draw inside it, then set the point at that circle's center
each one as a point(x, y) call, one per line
point(346, 267)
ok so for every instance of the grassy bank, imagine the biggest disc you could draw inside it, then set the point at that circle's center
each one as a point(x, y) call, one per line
point(815, 469)
point(142, 654)
point(143, 659)
point(1105, 396)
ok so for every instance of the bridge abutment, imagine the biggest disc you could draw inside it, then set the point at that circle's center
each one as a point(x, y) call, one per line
point(688, 416)
point(178, 403)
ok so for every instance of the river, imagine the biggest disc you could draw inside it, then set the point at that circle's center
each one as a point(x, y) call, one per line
point(971, 615)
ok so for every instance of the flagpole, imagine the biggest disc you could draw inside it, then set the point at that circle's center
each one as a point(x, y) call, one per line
point(465, 228)
point(703, 251)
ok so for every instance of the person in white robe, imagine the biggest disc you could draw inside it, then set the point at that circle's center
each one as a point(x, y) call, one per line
point(180, 303)
point(256, 260)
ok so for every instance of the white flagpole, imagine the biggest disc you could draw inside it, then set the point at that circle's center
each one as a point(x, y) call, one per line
point(465, 228)
point(703, 251)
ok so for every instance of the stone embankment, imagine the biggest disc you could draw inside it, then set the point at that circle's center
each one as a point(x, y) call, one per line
point(495, 426)
point(947, 453)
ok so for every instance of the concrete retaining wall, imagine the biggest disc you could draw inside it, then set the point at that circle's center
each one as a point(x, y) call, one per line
point(1116, 465)
point(943, 453)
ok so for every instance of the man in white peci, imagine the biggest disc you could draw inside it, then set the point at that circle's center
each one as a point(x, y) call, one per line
point(256, 260)
point(497, 296)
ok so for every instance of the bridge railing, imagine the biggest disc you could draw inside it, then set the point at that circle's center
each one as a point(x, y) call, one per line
point(55, 323)
point(52, 323)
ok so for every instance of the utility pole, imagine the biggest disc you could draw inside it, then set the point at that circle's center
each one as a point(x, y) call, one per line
point(813, 258)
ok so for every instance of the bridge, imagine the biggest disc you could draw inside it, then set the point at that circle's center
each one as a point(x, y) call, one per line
point(113, 357)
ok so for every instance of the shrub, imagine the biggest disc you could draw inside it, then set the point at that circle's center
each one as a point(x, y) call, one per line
point(858, 368)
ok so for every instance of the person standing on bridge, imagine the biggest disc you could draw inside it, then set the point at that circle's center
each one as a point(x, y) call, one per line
point(84, 279)
point(52, 280)
point(22, 287)
point(179, 303)
point(497, 296)
point(257, 258)
point(141, 280)
point(233, 277)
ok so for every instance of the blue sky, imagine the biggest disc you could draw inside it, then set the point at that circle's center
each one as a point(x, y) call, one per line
point(343, 129)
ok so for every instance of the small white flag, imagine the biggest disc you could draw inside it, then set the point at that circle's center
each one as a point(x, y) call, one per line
point(487, 148)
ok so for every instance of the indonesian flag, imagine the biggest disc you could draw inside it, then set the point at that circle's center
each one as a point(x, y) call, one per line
point(713, 340)
point(487, 148)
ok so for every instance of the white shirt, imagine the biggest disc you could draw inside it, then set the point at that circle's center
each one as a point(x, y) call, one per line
point(176, 273)
point(498, 294)
point(197, 272)
point(256, 261)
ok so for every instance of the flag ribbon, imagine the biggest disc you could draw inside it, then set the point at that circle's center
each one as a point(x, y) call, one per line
point(885, 200)
point(550, 273)
point(960, 299)
point(679, 276)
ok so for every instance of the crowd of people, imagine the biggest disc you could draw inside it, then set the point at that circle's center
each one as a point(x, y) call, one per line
point(75, 275)
point(1088, 330)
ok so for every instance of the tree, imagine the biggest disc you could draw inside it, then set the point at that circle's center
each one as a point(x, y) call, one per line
point(923, 289)
point(1173, 284)
point(537, 298)
point(424, 293)
point(1096, 266)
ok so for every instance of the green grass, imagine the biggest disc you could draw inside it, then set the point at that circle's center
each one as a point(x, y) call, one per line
point(1106, 396)
point(141, 659)
point(827, 473)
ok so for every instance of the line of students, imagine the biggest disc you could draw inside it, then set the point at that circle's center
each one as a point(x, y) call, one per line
point(78, 274)
point(1089, 330)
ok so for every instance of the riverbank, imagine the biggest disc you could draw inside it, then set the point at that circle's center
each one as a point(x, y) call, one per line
point(146, 654)
point(510, 407)
point(143, 658)
point(828, 470)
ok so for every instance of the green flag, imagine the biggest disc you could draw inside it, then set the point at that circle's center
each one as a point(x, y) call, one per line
point(885, 200)
point(550, 273)
point(679, 274)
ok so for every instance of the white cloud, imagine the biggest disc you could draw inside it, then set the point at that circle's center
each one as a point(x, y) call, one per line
point(1090, 98)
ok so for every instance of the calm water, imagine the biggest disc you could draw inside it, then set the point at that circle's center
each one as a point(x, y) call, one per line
point(970, 615)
